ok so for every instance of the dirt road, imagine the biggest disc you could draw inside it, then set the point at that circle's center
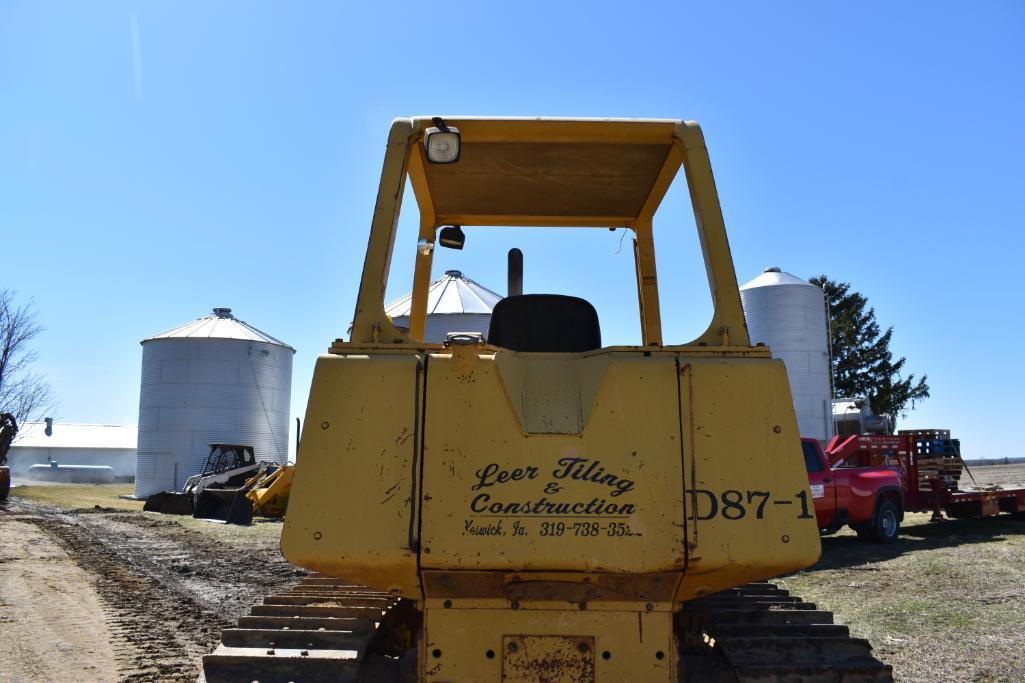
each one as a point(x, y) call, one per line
point(110, 595)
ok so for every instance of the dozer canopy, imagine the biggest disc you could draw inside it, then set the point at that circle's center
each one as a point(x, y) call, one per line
point(597, 173)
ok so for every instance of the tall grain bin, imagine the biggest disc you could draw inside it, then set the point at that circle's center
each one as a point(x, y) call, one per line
point(789, 315)
point(455, 303)
point(213, 380)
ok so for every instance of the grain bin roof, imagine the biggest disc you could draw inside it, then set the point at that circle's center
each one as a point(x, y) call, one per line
point(774, 276)
point(220, 324)
point(454, 293)
point(69, 435)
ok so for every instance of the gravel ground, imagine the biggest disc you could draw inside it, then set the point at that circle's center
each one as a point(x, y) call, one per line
point(151, 594)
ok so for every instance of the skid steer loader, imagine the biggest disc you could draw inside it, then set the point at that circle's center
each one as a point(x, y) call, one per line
point(534, 506)
point(216, 492)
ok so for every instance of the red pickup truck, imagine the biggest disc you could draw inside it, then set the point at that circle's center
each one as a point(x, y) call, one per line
point(868, 499)
point(868, 482)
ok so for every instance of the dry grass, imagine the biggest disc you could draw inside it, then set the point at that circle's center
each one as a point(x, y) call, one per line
point(89, 496)
point(79, 496)
point(259, 532)
point(944, 603)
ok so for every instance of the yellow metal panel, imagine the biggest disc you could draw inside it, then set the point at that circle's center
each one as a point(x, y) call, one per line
point(602, 500)
point(550, 393)
point(728, 325)
point(370, 323)
point(647, 281)
point(534, 221)
point(456, 643)
point(545, 179)
point(422, 270)
point(750, 513)
point(673, 161)
point(558, 659)
point(351, 513)
point(270, 496)
point(421, 282)
point(558, 130)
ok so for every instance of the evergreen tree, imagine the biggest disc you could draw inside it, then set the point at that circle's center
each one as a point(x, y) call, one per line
point(863, 364)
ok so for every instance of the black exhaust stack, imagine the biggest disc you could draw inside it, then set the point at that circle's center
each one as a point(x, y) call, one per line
point(515, 287)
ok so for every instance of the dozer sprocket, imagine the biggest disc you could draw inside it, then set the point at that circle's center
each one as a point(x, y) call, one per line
point(323, 629)
point(759, 632)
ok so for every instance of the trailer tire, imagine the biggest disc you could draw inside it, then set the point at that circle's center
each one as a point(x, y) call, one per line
point(885, 525)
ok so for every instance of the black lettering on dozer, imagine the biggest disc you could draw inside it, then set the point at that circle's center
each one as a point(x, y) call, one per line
point(482, 504)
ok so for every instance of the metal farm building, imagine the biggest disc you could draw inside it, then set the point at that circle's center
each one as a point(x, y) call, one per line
point(215, 379)
point(65, 443)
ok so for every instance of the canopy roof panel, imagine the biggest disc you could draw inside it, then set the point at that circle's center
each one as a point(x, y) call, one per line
point(534, 179)
point(549, 172)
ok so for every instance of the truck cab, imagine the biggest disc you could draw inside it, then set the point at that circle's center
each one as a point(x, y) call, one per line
point(869, 499)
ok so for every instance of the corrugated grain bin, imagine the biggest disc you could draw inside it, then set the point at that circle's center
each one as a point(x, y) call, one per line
point(213, 380)
point(455, 303)
point(789, 315)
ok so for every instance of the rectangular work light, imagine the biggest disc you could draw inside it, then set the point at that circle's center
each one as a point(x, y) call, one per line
point(441, 143)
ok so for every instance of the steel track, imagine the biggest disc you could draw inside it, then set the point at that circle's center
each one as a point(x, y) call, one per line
point(323, 629)
point(759, 632)
point(327, 629)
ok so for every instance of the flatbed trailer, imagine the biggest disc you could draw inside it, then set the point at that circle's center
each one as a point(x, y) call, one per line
point(930, 465)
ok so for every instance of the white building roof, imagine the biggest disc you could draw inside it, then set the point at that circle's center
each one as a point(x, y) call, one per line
point(71, 435)
point(774, 276)
point(454, 293)
point(221, 324)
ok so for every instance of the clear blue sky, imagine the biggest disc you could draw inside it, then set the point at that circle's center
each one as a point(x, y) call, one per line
point(161, 158)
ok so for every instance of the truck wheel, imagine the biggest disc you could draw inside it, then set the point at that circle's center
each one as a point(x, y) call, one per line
point(885, 523)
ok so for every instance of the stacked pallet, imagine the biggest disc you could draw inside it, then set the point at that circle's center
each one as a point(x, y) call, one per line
point(946, 469)
point(938, 458)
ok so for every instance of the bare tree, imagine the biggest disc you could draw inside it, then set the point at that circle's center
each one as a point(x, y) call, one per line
point(25, 394)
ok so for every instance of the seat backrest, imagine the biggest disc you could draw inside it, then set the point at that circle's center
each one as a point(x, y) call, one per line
point(550, 323)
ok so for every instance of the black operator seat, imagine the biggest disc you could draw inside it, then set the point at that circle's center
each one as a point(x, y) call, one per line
point(544, 323)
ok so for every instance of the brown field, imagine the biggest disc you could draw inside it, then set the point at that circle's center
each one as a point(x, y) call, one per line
point(1005, 475)
point(92, 589)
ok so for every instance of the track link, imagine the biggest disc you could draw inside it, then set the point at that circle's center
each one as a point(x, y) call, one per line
point(759, 632)
point(323, 629)
point(327, 629)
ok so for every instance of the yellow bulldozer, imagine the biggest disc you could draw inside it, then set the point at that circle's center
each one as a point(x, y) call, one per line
point(531, 505)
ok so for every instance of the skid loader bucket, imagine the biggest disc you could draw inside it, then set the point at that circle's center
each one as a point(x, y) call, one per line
point(169, 503)
point(226, 505)
point(270, 494)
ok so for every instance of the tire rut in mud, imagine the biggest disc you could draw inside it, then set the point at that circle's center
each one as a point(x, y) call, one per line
point(167, 591)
